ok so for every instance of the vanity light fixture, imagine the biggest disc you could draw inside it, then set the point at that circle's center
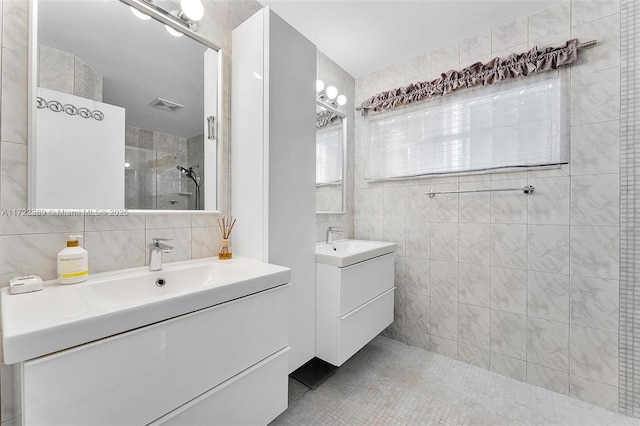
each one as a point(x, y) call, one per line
point(329, 95)
point(191, 12)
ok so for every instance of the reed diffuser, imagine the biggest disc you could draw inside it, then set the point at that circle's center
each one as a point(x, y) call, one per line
point(226, 226)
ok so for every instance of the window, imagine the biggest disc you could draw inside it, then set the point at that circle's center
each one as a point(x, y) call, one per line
point(517, 123)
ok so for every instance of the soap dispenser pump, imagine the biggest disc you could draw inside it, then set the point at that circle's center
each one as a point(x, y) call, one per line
point(73, 262)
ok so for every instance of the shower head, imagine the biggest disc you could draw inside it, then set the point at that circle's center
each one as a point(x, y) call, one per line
point(183, 170)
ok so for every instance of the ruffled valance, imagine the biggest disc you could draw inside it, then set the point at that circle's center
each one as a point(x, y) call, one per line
point(478, 74)
point(324, 118)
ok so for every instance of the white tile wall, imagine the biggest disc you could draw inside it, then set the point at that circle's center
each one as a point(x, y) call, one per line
point(526, 286)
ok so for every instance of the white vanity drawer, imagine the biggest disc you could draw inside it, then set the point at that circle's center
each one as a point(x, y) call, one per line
point(363, 281)
point(139, 376)
point(357, 328)
point(249, 398)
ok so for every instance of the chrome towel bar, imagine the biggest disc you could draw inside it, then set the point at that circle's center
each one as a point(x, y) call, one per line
point(527, 189)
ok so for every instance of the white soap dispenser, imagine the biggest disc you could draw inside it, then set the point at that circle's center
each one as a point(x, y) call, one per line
point(73, 262)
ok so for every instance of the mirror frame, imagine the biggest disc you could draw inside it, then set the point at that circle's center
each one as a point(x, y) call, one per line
point(345, 129)
point(32, 86)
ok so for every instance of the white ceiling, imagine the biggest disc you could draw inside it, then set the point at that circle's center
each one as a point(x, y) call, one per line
point(365, 36)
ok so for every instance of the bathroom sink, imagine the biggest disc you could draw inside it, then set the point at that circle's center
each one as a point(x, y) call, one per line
point(343, 253)
point(64, 316)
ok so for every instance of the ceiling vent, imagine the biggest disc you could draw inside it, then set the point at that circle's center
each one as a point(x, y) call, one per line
point(165, 105)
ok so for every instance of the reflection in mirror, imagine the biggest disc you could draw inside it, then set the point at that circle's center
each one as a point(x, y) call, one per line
point(121, 114)
point(331, 131)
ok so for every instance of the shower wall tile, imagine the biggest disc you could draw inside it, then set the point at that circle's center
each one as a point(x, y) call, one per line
point(114, 223)
point(474, 326)
point(419, 68)
point(40, 224)
point(595, 97)
point(508, 245)
point(474, 243)
point(594, 392)
point(595, 200)
point(418, 275)
point(445, 58)
point(607, 52)
point(508, 366)
point(550, 203)
point(474, 356)
point(511, 206)
point(417, 338)
point(444, 241)
point(548, 248)
point(13, 122)
point(443, 346)
point(417, 313)
point(168, 221)
point(549, 21)
point(548, 344)
point(595, 148)
point(15, 25)
point(444, 319)
point(394, 232)
point(393, 202)
point(589, 10)
point(548, 296)
point(111, 250)
point(417, 204)
point(594, 355)
point(548, 378)
point(509, 290)
point(33, 254)
point(444, 280)
point(508, 334)
point(475, 284)
point(595, 303)
point(595, 251)
point(417, 239)
point(475, 47)
point(475, 207)
point(510, 34)
point(444, 207)
point(13, 176)
point(205, 242)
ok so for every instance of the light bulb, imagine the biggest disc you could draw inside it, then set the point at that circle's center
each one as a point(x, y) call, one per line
point(139, 14)
point(172, 31)
point(319, 86)
point(193, 9)
point(332, 92)
point(341, 99)
point(127, 164)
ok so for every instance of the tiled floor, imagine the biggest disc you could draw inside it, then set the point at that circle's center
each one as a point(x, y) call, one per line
point(389, 382)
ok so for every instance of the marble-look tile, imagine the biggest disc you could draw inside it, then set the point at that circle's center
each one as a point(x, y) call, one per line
point(54, 59)
point(112, 250)
point(13, 175)
point(548, 378)
point(548, 343)
point(243, 9)
point(444, 318)
point(394, 232)
point(606, 54)
point(41, 224)
point(15, 25)
point(595, 200)
point(548, 248)
point(509, 245)
point(594, 355)
point(475, 47)
point(595, 148)
point(509, 290)
point(444, 280)
point(419, 68)
point(474, 356)
point(474, 243)
point(13, 124)
point(548, 296)
point(394, 200)
point(583, 11)
point(369, 230)
point(444, 207)
point(417, 204)
point(214, 26)
point(550, 20)
point(443, 346)
point(549, 204)
point(399, 272)
point(55, 80)
point(595, 251)
point(417, 338)
point(30, 254)
point(417, 312)
point(418, 241)
point(475, 284)
point(474, 326)
point(372, 83)
point(154, 221)
point(445, 58)
point(511, 206)
point(180, 239)
point(594, 392)
point(475, 207)
point(444, 241)
point(552, 40)
point(508, 334)
point(205, 219)
point(418, 275)
point(373, 203)
point(595, 303)
point(394, 76)
point(510, 34)
point(114, 223)
point(399, 315)
point(508, 366)
point(595, 97)
point(205, 242)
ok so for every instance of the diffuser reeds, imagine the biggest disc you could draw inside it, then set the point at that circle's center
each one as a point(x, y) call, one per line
point(226, 226)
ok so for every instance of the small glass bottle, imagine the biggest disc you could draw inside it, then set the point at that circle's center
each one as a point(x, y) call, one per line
point(225, 250)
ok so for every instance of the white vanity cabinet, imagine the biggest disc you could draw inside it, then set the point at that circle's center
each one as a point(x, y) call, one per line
point(226, 364)
point(353, 305)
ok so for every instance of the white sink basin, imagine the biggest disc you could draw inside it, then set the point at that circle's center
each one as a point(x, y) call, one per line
point(63, 316)
point(343, 253)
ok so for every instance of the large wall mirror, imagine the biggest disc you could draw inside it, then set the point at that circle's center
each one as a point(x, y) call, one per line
point(331, 154)
point(125, 107)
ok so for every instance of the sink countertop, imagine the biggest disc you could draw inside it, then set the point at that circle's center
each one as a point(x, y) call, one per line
point(342, 253)
point(63, 316)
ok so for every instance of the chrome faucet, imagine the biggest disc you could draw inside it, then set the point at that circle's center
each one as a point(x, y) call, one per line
point(155, 253)
point(332, 230)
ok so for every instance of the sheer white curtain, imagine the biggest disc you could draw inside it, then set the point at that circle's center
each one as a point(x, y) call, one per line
point(511, 124)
